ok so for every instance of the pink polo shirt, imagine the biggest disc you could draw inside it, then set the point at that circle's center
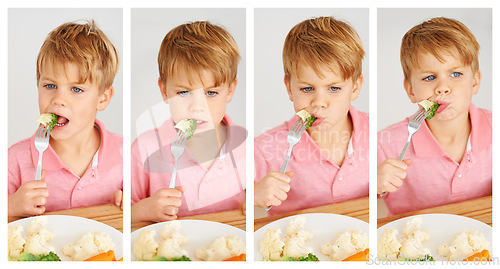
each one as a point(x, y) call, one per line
point(434, 178)
point(221, 187)
point(317, 181)
point(66, 190)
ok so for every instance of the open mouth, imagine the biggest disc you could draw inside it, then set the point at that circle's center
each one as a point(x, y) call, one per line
point(61, 121)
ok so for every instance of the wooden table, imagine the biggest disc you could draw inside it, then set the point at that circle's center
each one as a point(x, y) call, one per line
point(232, 217)
point(108, 214)
point(357, 208)
point(479, 209)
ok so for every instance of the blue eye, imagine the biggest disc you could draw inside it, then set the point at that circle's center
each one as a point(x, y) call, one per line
point(212, 93)
point(50, 86)
point(430, 78)
point(76, 90)
point(307, 89)
point(334, 89)
point(183, 93)
point(456, 74)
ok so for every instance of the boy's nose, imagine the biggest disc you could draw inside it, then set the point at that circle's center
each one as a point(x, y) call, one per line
point(443, 88)
point(59, 98)
point(319, 101)
point(198, 102)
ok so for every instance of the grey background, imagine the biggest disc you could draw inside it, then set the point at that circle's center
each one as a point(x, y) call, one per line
point(272, 106)
point(149, 27)
point(393, 103)
point(28, 29)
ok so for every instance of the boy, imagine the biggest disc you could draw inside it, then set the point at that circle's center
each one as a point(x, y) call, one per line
point(82, 166)
point(322, 59)
point(449, 157)
point(198, 64)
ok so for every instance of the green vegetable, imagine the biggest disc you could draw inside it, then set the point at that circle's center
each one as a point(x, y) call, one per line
point(51, 257)
point(427, 258)
point(192, 128)
point(181, 259)
point(27, 257)
point(49, 120)
point(433, 109)
point(309, 121)
point(309, 258)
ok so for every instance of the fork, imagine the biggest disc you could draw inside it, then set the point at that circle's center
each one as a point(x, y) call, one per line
point(177, 149)
point(41, 144)
point(293, 138)
point(413, 126)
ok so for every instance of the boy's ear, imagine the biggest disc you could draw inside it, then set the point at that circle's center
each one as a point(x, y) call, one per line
point(232, 88)
point(163, 90)
point(409, 91)
point(476, 82)
point(105, 98)
point(288, 88)
point(357, 87)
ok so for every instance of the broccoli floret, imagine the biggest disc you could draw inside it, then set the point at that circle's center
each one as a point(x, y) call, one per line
point(160, 258)
point(49, 120)
point(188, 126)
point(51, 257)
point(27, 257)
point(309, 258)
point(287, 259)
point(433, 110)
point(426, 258)
point(310, 121)
point(181, 259)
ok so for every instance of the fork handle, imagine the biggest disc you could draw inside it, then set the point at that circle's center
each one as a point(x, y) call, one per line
point(174, 175)
point(403, 152)
point(401, 157)
point(285, 163)
point(38, 175)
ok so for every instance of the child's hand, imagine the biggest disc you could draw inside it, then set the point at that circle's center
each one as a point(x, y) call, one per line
point(29, 199)
point(118, 198)
point(163, 205)
point(390, 174)
point(272, 189)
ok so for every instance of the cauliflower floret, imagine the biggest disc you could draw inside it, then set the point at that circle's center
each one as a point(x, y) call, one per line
point(464, 244)
point(38, 237)
point(346, 244)
point(296, 237)
point(88, 245)
point(413, 248)
point(145, 245)
point(172, 239)
point(271, 245)
point(412, 245)
point(388, 245)
point(223, 247)
point(16, 241)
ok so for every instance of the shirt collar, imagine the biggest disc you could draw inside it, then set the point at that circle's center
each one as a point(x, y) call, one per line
point(107, 147)
point(425, 144)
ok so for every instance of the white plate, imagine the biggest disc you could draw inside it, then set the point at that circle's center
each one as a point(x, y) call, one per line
point(323, 226)
point(68, 229)
point(200, 233)
point(442, 228)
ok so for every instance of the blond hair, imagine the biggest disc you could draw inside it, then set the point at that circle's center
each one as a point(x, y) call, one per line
point(436, 36)
point(196, 46)
point(84, 45)
point(320, 41)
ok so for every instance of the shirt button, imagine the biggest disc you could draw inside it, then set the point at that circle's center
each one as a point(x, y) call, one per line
point(80, 188)
point(459, 175)
point(340, 179)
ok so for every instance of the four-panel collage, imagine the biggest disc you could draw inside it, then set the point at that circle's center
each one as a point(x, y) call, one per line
point(142, 128)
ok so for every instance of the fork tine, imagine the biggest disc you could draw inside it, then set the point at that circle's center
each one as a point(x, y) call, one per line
point(296, 123)
point(46, 133)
